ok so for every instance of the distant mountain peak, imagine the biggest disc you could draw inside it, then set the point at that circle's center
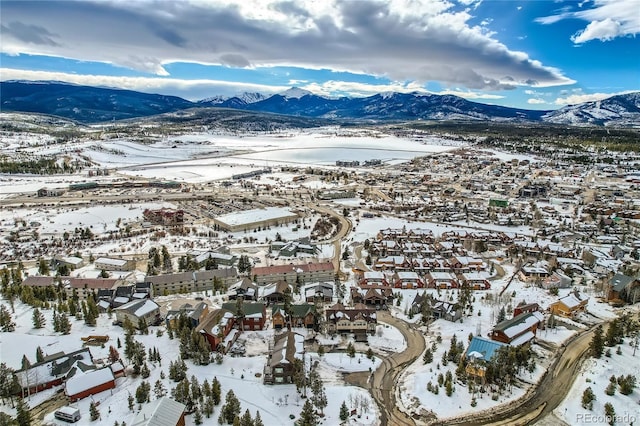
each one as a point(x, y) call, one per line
point(252, 97)
point(294, 93)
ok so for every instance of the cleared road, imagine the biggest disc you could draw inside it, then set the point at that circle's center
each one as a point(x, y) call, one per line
point(382, 383)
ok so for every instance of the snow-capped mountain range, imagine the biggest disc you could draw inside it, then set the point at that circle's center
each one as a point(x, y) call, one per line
point(95, 104)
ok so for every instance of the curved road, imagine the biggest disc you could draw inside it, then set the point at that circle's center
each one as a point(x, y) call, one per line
point(382, 383)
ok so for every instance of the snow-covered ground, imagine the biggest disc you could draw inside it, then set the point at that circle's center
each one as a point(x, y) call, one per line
point(275, 403)
point(595, 373)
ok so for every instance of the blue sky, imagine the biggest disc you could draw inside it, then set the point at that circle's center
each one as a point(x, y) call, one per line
point(527, 54)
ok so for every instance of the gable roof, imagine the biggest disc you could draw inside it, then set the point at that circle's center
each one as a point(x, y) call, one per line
point(161, 412)
point(620, 281)
point(285, 348)
point(300, 310)
point(481, 348)
point(519, 323)
point(247, 308)
point(139, 308)
point(572, 300)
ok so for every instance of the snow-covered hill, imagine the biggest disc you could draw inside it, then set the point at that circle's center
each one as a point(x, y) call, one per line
point(620, 110)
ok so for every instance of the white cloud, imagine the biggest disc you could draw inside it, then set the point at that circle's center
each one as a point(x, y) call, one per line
point(579, 98)
point(469, 95)
point(188, 89)
point(536, 101)
point(403, 40)
point(605, 30)
point(608, 19)
point(198, 89)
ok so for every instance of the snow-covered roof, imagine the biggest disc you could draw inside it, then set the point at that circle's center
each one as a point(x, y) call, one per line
point(256, 215)
point(373, 275)
point(408, 275)
point(111, 261)
point(139, 308)
point(161, 412)
point(83, 381)
point(522, 339)
point(571, 300)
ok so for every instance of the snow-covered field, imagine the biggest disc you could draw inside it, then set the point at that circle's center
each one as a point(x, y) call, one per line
point(221, 162)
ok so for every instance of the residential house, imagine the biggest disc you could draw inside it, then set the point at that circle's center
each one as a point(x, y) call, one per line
point(194, 314)
point(254, 315)
point(441, 280)
point(479, 353)
point(287, 348)
point(138, 311)
point(374, 278)
point(53, 370)
point(359, 319)
point(524, 307)
point(533, 272)
point(570, 305)
point(441, 309)
point(220, 259)
point(301, 315)
point(245, 289)
point(91, 382)
point(556, 280)
point(216, 327)
point(161, 412)
point(276, 293)
point(518, 330)
point(372, 296)
point(320, 292)
point(476, 280)
point(407, 279)
point(624, 288)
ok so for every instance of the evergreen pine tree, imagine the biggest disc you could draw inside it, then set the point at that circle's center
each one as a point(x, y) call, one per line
point(197, 417)
point(231, 408)
point(308, 415)
point(257, 421)
point(23, 416)
point(596, 346)
point(587, 399)
point(610, 413)
point(216, 391)
point(94, 414)
point(427, 358)
point(39, 354)
point(130, 401)
point(159, 390)
point(25, 362)
point(344, 411)
point(246, 419)
point(6, 323)
point(38, 318)
point(351, 350)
